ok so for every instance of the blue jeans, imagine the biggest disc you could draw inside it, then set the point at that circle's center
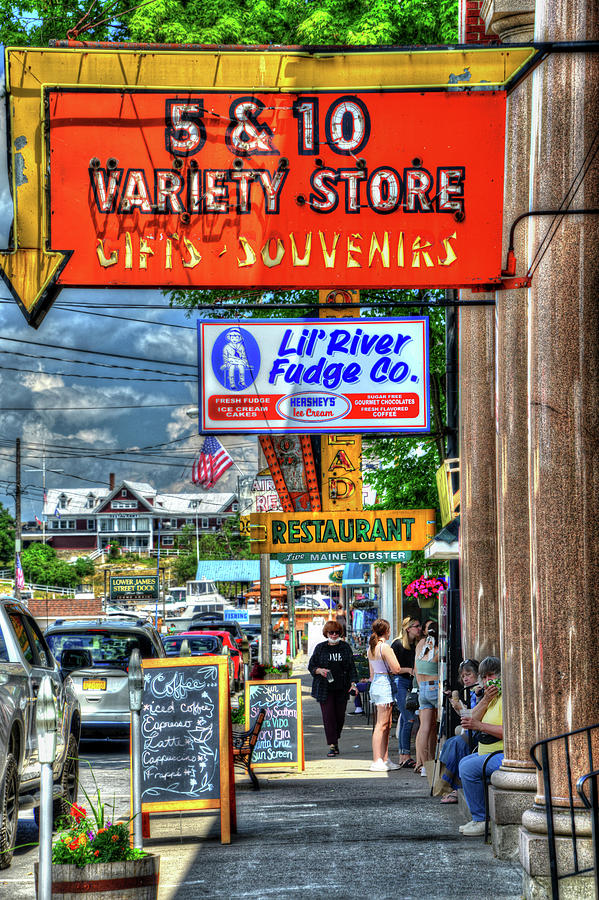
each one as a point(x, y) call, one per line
point(471, 773)
point(406, 718)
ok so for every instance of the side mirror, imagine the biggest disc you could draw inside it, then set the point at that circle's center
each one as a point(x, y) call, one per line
point(73, 658)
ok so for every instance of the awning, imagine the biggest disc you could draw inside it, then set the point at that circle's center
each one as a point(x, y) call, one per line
point(445, 544)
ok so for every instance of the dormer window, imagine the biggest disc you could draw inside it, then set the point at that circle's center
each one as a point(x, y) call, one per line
point(63, 501)
point(193, 504)
point(90, 501)
point(124, 492)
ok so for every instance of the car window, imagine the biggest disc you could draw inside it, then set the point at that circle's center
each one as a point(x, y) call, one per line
point(3, 649)
point(107, 647)
point(41, 650)
point(22, 636)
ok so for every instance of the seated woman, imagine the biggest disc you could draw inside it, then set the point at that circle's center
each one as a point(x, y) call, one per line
point(457, 747)
point(486, 718)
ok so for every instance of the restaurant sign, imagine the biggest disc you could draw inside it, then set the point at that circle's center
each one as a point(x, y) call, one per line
point(384, 529)
point(314, 376)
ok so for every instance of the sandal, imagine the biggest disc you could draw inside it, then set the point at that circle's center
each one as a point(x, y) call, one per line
point(332, 753)
point(450, 798)
point(418, 770)
point(408, 764)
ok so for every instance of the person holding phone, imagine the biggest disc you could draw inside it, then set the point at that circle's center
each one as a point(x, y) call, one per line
point(334, 674)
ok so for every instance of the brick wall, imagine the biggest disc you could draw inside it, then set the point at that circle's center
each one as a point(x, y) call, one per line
point(65, 606)
point(472, 26)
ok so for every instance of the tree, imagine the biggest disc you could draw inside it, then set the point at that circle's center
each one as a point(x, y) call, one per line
point(227, 543)
point(341, 22)
point(7, 536)
point(84, 567)
point(41, 565)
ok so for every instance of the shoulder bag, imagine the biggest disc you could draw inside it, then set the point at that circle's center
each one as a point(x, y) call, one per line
point(412, 699)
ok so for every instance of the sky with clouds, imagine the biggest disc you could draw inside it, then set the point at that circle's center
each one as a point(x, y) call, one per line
point(43, 405)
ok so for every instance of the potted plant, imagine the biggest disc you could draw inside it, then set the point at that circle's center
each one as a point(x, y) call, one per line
point(426, 590)
point(274, 673)
point(93, 856)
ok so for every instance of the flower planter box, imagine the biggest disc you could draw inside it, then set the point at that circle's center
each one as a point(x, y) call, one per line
point(135, 879)
point(280, 676)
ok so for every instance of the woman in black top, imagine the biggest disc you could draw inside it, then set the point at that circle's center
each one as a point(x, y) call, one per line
point(334, 672)
point(404, 648)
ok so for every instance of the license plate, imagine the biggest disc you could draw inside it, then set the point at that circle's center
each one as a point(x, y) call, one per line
point(94, 684)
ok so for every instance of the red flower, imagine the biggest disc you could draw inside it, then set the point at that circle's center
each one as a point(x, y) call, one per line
point(77, 812)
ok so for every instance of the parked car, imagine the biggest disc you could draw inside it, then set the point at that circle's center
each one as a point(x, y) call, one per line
point(218, 624)
point(200, 645)
point(253, 632)
point(25, 658)
point(228, 644)
point(98, 667)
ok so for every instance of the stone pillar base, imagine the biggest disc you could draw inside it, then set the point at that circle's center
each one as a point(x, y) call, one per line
point(534, 855)
point(511, 792)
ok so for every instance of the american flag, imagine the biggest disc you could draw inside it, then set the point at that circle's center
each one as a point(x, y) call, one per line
point(212, 462)
point(19, 577)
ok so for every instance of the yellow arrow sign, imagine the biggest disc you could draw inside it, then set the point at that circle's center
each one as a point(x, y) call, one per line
point(32, 267)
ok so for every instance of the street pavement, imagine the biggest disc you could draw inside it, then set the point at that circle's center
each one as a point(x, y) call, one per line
point(336, 831)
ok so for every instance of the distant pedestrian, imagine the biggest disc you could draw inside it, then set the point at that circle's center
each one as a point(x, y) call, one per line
point(334, 672)
point(383, 666)
point(427, 675)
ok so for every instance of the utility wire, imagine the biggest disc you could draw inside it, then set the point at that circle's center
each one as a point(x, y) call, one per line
point(101, 377)
point(86, 362)
point(162, 362)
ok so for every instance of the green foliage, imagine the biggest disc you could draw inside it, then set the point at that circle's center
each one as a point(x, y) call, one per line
point(84, 567)
point(41, 565)
point(238, 715)
point(114, 550)
point(342, 22)
point(7, 536)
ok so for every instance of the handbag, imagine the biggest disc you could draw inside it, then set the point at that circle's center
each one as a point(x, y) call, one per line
point(412, 700)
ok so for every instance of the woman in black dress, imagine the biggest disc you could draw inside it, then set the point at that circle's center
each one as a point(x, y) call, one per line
point(334, 672)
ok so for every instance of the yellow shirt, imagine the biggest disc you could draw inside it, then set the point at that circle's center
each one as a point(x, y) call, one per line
point(493, 716)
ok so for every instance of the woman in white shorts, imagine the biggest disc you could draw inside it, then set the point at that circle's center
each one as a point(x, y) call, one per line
point(383, 664)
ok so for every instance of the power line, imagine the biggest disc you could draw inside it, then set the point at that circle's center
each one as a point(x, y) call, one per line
point(101, 377)
point(162, 362)
point(84, 408)
point(85, 362)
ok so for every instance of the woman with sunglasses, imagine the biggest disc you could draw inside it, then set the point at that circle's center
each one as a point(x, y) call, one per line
point(334, 672)
point(404, 648)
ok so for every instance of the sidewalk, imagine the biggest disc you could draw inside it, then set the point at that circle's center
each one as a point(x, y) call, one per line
point(336, 831)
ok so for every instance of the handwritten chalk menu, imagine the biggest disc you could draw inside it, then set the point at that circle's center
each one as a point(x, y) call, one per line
point(186, 756)
point(281, 740)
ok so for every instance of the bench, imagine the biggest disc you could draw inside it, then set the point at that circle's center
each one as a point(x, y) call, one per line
point(243, 748)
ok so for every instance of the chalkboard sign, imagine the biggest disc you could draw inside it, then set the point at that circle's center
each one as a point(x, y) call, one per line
point(186, 756)
point(281, 740)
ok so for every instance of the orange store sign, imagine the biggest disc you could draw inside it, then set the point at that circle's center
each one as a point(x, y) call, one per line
point(250, 188)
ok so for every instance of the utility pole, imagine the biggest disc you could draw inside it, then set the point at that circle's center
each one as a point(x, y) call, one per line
point(44, 495)
point(17, 511)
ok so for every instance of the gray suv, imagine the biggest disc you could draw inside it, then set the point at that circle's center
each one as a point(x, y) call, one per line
point(97, 655)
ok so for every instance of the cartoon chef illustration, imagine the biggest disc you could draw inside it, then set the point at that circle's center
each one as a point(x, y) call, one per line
point(235, 359)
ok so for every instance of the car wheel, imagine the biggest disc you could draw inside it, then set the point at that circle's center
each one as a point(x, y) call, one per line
point(9, 811)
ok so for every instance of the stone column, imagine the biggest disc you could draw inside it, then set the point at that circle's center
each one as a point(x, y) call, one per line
point(478, 518)
point(514, 784)
point(563, 413)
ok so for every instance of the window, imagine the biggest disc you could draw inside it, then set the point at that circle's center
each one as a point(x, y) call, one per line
point(124, 524)
point(142, 524)
point(235, 507)
point(168, 540)
point(63, 501)
point(106, 524)
point(124, 504)
point(124, 492)
point(53, 523)
point(90, 502)
point(205, 523)
point(22, 636)
point(193, 504)
point(41, 650)
point(91, 524)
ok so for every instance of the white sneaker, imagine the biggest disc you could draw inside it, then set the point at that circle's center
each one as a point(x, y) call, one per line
point(423, 772)
point(379, 766)
point(390, 764)
point(461, 828)
point(473, 827)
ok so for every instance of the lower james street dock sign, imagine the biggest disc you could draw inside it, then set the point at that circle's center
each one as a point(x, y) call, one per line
point(384, 529)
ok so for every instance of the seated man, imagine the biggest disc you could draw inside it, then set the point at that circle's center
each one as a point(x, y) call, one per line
point(486, 719)
point(458, 746)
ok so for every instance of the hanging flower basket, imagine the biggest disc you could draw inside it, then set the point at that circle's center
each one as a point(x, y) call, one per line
point(425, 591)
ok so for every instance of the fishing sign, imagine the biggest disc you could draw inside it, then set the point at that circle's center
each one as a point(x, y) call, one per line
point(314, 376)
point(259, 168)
